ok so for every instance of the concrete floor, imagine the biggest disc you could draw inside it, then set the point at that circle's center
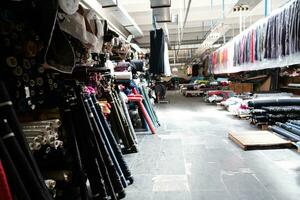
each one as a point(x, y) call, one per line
point(191, 158)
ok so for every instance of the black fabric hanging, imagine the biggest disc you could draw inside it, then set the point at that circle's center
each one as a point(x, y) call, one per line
point(195, 70)
point(157, 48)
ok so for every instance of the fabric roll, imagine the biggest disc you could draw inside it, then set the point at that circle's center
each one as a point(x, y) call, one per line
point(74, 147)
point(31, 182)
point(16, 184)
point(5, 192)
point(289, 128)
point(86, 149)
point(101, 152)
point(259, 103)
point(106, 141)
point(117, 151)
point(285, 133)
point(7, 112)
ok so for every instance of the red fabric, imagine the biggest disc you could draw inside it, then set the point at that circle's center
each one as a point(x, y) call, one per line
point(214, 58)
point(134, 91)
point(219, 93)
point(138, 98)
point(5, 193)
point(225, 57)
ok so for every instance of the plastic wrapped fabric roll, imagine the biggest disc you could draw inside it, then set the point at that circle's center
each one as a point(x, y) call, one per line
point(285, 133)
point(259, 103)
point(123, 75)
point(258, 112)
point(282, 109)
point(124, 121)
point(297, 122)
point(289, 128)
point(70, 128)
point(113, 143)
point(123, 104)
point(106, 166)
point(138, 65)
point(94, 173)
point(106, 141)
point(7, 112)
point(271, 95)
point(293, 125)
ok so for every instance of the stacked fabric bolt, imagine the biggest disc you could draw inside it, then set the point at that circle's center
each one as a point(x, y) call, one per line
point(217, 95)
point(273, 114)
point(290, 130)
point(271, 110)
point(40, 133)
point(236, 105)
point(259, 116)
point(271, 101)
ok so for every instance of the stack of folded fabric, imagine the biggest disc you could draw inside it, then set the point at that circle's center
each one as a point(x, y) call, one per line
point(213, 96)
point(272, 110)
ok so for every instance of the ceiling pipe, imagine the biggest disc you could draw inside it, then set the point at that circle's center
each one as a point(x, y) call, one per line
point(267, 7)
point(184, 22)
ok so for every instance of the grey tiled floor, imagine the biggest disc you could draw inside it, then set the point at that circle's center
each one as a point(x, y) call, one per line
point(191, 158)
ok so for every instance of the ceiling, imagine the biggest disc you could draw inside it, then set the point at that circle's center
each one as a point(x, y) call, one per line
point(201, 16)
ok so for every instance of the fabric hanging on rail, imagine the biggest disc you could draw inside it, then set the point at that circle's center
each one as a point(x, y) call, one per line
point(167, 70)
point(157, 52)
point(272, 42)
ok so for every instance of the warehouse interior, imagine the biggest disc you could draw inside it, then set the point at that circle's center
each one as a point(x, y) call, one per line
point(150, 100)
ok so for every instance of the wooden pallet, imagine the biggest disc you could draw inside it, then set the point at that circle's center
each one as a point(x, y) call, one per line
point(193, 93)
point(262, 126)
point(244, 117)
point(163, 101)
point(250, 140)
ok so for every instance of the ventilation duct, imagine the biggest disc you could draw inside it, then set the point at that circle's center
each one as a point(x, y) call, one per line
point(121, 15)
point(108, 3)
point(134, 30)
point(162, 14)
point(160, 3)
point(249, 4)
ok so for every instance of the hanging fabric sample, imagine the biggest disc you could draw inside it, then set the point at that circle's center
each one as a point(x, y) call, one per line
point(157, 52)
point(167, 70)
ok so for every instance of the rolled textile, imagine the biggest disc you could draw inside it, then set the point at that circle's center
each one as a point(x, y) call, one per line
point(285, 133)
point(102, 150)
point(293, 125)
point(259, 103)
point(113, 143)
point(106, 141)
point(123, 75)
point(282, 109)
point(271, 95)
point(289, 128)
